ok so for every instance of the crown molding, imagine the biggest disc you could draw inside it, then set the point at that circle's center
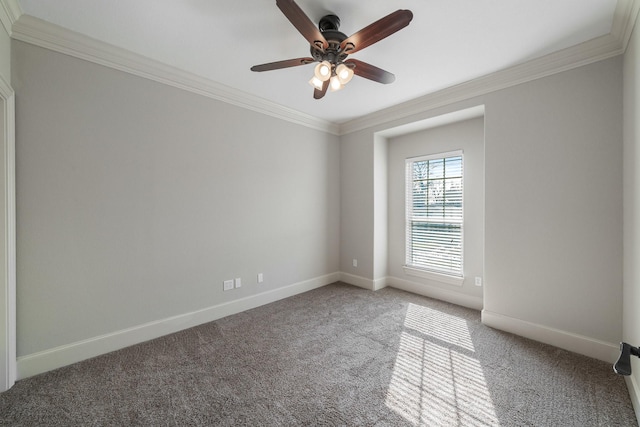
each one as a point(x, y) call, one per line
point(53, 37)
point(10, 11)
point(624, 19)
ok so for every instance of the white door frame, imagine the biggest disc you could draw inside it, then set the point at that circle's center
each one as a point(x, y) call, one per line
point(8, 363)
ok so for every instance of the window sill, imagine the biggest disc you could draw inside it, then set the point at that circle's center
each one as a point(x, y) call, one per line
point(442, 278)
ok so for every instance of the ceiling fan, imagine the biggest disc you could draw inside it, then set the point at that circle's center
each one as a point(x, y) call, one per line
point(330, 48)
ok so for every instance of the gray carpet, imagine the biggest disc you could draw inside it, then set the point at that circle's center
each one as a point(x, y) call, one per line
point(338, 355)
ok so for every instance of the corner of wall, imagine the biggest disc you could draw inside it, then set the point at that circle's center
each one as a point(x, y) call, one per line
point(362, 282)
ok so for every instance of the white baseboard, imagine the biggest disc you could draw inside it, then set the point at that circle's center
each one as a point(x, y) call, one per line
point(453, 297)
point(58, 357)
point(601, 350)
point(359, 281)
point(54, 358)
point(379, 283)
point(634, 394)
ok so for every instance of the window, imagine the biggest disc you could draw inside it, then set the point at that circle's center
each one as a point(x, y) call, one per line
point(434, 213)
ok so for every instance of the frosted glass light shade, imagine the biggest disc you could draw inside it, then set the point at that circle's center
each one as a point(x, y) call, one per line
point(323, 71)
point(316, 83)
point(344, 73)
point(335, 84)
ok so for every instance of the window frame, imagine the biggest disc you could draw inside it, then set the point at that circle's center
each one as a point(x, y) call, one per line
point(448, 277)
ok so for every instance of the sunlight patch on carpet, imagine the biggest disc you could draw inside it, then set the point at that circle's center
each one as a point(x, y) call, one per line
point(436, 378)
point(439, 325)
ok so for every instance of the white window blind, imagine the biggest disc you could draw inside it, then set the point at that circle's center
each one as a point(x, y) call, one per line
point(434, 213)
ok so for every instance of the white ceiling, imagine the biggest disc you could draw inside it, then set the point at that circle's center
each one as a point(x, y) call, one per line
point(447, 43)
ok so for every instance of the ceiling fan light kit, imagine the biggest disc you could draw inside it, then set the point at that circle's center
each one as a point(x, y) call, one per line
point(330, 48)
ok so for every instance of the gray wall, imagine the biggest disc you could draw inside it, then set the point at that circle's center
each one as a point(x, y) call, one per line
point(553, 200)
point(553, 181)
point(136, 200)
point(357, 204)
point(631, 321)
point(468, 136)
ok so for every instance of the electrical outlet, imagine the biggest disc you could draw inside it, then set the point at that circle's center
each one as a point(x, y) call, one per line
point(355, 262)
point(478, 281)
point(260, 278)
point(238, 282)
point(227, 285)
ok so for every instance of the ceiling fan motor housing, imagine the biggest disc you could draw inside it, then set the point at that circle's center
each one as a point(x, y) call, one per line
point(328, 26)
point(329, 22)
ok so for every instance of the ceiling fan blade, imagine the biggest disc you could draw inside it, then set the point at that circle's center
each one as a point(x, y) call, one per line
point(302, 23)
point(318, 94)
point(377, 31)
point(371, 72)
point(282, 64)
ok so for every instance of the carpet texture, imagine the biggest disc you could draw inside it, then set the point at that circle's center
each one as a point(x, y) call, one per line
point(338, 355)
